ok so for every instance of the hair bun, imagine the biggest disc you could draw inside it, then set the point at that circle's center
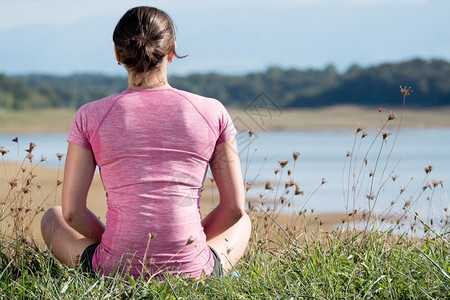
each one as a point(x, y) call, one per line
point(140, 40)
point(143, 37)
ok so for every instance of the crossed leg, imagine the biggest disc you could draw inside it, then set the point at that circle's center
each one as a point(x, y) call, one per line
point(66, 244)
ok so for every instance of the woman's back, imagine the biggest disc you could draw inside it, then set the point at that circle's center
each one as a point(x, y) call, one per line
point(153, 148)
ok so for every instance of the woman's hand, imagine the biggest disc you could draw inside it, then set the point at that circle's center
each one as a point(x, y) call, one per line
point(78, 174)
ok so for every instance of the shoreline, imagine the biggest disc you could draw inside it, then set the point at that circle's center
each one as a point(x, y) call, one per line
point(46, 196)
point(57, 121)
point(46, 192)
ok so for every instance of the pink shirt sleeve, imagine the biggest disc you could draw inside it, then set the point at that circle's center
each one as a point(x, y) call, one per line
point(227, 131)
point(78, 130)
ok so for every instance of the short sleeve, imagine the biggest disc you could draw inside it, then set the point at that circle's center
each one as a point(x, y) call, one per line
point(78, 133)
point(226, 126)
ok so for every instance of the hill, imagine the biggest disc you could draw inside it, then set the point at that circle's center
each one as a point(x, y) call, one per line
point(289, 88)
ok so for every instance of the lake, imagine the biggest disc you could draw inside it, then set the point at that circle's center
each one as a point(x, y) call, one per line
point(323, 154)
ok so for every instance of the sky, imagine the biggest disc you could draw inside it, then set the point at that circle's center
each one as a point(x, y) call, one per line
point(231, 37)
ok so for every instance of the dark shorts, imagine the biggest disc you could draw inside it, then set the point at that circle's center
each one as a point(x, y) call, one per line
point(218, 269)
point(86, 258)
point(88, 254)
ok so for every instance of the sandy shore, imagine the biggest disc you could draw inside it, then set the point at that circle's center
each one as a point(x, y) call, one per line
point(45, 192)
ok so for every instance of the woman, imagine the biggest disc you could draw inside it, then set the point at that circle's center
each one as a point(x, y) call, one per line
point(152, 144)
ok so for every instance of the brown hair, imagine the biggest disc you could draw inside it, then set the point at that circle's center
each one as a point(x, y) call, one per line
point(143, 37)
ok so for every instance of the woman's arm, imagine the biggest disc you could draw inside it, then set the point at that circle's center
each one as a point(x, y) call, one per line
point(78, 174)
point(226, 170)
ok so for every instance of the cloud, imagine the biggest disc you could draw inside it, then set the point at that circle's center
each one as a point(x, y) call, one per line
point(358, 2)
point(22, 13)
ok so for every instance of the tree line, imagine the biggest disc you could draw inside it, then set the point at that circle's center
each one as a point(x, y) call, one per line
point(289, 88)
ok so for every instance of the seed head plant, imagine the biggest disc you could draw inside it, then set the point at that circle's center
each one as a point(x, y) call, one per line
point(23, 201)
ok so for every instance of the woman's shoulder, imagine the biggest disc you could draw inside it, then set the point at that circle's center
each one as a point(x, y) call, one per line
point(213, 112)
point(99, 105)
point(201, 102)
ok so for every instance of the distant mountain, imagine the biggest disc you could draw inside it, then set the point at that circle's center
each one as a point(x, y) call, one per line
point(288, 88)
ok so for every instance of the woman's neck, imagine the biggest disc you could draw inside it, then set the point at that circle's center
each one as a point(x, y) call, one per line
point(154, 80)
point(145, 86)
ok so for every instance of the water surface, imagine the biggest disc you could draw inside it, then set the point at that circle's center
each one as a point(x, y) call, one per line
point(323, 155)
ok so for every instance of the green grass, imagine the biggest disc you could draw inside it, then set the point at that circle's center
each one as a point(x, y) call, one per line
point(325, 266)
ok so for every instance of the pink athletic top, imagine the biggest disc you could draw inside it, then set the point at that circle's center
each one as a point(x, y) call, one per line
point(152, 148)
